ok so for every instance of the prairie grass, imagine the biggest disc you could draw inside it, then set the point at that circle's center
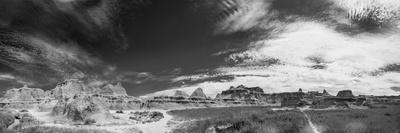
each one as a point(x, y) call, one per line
point(40, 129)
point(263, 120)
point(380, 120)
point(241, 119)
point(206, 113)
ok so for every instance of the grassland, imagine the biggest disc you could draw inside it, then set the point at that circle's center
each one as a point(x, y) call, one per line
point(377, 120)
point(40, 129)
point(264, 120)
point(7, 118)
point(241, 120)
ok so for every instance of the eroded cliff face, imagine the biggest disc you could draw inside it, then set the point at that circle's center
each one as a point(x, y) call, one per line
point(24, 94)
point(72, 87)
point(82, 108)
point(345, 93)
point(241, 92)
point(198, 93)
point(68, 88)
point(115, 90)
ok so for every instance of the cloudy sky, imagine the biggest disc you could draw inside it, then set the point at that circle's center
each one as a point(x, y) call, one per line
point(158, 46)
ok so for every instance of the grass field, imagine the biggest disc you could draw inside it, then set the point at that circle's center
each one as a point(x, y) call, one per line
point(264, 120)
point(241, 120)
point(53, 130)
point(380, 120)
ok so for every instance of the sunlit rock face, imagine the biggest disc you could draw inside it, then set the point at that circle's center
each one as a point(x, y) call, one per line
point(242, 92)
point(24, 94)
point(115, 90)
point(198, 93)
point(81, 108)
point(68, 88)
point(72, 87)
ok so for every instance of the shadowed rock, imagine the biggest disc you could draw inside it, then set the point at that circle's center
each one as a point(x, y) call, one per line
point(345, 93)
point(242, 92)
point(180, 93)
point(82, 108)
point(198, 93)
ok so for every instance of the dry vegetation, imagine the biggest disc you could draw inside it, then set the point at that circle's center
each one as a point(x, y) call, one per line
point(241, 119)
point(53, 130)
point(263, 120)
point(379, 120)
point(7, 118)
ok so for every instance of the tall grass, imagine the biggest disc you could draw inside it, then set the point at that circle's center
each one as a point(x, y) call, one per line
point(40, 129)
point(358, 121)
point(241, 119)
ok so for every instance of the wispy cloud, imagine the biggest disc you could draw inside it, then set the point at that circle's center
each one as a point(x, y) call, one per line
point(309, 51)
point(57, 40)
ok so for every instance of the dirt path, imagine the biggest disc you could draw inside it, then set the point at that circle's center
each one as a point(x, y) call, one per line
point(313, 127)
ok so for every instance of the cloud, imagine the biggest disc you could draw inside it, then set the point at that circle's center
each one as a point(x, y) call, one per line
point(47, 42)
point(14, 79)
point(6, 77)
point(309, 51)
point(249, 15)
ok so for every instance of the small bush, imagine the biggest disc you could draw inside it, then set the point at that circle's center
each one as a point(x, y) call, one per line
point(89, 121)
point(119, 112)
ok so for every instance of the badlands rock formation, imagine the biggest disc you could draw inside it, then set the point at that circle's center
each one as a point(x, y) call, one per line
point(180, 93)
point(345, 93)
point(115, 90)
point(71, 87)
point(24, 94)
point(198, 93)
point(241, 92)
point(82, 108)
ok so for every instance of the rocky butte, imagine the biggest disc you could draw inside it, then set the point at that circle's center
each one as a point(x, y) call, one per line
point(198, 94)
point(65, 90)
point(24, 94)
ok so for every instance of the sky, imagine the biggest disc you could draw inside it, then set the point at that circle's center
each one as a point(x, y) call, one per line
point(155, 47)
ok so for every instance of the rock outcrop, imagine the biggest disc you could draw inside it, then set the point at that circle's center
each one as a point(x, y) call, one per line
point(82, 108)
point(180, 93)
point(115, 90)
point(24, 94)
point(198, 93)
point(68, 88)
point(345, 94)
point(147, 117)
point(72, 87)
point(242, 92)
point(325, 93)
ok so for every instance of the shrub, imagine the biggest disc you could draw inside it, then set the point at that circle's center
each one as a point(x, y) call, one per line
point(119, 111)
point(89, 121)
